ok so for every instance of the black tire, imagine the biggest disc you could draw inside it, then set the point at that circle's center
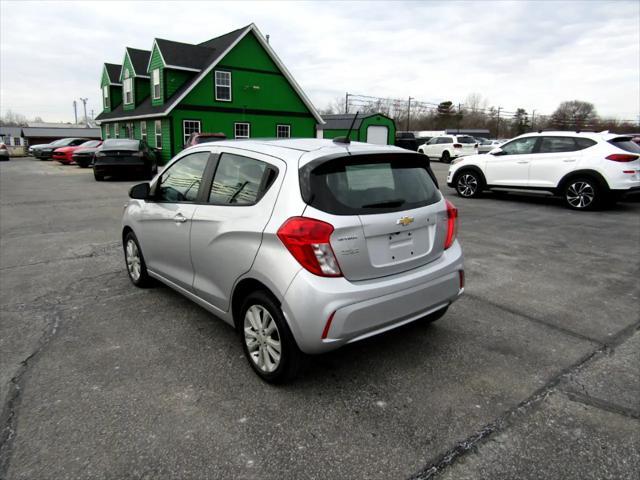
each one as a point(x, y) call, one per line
point(141, 279)
point(98, 176)
point(291, 358)
point(583, 193)
point(469, 184)
point(435, 316)
point(446, 157)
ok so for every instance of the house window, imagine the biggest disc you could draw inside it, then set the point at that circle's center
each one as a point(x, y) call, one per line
point(223, 86)
point(283, 131)
point(189, 127)
point(158, 133)
point(116, 130)
point(156, 84)
point(143, 130)
point(105, 94)
point(128, 94)
point(16, 141)
point(106, 131)
point(242, 130)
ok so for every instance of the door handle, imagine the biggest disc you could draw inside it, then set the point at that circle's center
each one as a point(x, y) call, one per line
point(522, 161)
point(568, 160)
point(179, 218)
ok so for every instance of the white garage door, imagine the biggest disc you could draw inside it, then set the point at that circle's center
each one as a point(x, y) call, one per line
point(377, 134)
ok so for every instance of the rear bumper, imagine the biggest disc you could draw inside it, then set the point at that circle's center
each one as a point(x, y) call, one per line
point(119, 168)
point(626, 192)
point(366, 308)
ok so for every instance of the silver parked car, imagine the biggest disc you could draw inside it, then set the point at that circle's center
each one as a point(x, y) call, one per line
point(303, 245)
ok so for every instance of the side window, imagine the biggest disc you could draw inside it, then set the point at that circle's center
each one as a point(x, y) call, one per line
point(237, 180)
point(584, 143)
point(181, 182)
point(433, 141)
point(557, 145)
point(521, 146)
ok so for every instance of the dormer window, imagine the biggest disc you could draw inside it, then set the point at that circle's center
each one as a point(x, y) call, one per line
point(105, 95)
point(128, 90)
point(223, 86)
point(156, 83)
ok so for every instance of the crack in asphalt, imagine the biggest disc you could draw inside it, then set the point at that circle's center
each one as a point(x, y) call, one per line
point(103, 251)
point(54, 313)
point(472, 442)
point(601, 404)
point(539, 321)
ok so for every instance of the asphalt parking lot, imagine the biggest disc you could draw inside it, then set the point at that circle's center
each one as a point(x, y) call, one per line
point(532, 374)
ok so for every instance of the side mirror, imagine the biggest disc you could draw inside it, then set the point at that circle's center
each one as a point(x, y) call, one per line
point(140, 191)
point(496, 151)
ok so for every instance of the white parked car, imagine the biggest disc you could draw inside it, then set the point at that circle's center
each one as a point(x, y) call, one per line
point(586, 169)
point(487, 145)
point(447, 147)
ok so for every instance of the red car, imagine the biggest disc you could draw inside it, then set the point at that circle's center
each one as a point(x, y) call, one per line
point(65, 154)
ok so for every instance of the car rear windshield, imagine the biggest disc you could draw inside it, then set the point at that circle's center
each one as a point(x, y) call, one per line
point(467, 140)
point(120, 144)
point(625, 143)
point(208, 139)
point(368, 184)
point(90, 144)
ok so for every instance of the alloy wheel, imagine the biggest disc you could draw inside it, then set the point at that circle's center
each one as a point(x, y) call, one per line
point(467, 185)
point(580, 194)
point(133, 260)
point(262, 338)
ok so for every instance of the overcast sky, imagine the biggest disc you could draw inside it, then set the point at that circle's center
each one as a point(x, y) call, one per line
point(516, 54)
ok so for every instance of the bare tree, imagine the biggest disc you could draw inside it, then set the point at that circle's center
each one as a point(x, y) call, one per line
point(574, 114)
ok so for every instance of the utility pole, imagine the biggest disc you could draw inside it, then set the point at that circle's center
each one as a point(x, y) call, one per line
point(459, 115)
point(498, 126)
point(84, 103)
point(75, 111)
point(409, 113)
point(346, 103)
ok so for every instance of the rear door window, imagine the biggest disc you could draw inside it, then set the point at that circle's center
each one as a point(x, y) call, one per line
point(368, 184)
point(239, 180)
point(558, 145)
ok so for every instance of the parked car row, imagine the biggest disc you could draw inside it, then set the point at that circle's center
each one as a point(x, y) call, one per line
point(586, 169)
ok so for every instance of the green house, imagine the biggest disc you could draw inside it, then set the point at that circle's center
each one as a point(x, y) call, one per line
point(370, 128)
point(234, 84)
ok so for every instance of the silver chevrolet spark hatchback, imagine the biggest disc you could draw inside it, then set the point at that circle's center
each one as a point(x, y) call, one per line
point(302, 245)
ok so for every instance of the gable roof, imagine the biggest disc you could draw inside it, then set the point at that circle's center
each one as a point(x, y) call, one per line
point(64, 132)
point(183, 55)
point(139, 60)
point(219, 47)
point(113, 73)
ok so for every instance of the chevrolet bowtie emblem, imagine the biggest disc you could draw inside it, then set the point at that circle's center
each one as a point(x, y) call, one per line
point(404, 221)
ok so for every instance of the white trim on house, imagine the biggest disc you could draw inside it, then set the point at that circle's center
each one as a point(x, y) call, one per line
point(185, 136)
point(186, 69)
point(153, 84)
point(106, 98)
point(204, 73)
point(285, 126)
point(143, 131)
point(155, 45)
point(133, 67)
point(216, 85)
point(235, 130)
point(111, 82)
point(157, 134)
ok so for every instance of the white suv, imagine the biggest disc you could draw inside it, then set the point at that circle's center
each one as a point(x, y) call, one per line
point(447, 147)
point(586, 169)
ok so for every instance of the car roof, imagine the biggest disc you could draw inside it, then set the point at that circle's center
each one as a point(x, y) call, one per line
point(303, 149)
point(601, 136)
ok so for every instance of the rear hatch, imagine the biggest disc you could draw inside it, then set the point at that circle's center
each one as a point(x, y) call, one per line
point(467, 145)
point(628, 156)
point(119, 151)
point(387, 213)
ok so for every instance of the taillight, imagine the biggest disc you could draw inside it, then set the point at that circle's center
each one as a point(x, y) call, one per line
point(622, 157)
point(457, 145)
point(327, 326)
point(308, 241)
point(461, 277)
point(452, 224)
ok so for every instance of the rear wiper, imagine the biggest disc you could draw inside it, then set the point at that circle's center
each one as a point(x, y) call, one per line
point(388, 203)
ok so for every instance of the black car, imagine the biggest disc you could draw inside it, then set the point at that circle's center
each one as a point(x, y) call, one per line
point(83, 156)
point(406, 140)
point(45, 152)
point(124, 157)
